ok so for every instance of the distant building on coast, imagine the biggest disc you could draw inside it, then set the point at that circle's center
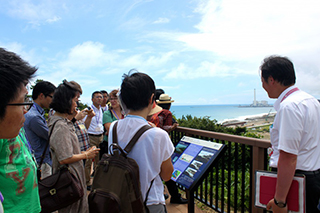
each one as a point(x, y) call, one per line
point(256, 103)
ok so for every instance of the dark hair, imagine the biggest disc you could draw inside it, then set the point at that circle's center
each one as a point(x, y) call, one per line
point(104, 92)
point(14, 73)
point(136, 90)
point(165, 106)
point(158, 93)
point(63, 95)
point(44, 87)
point(279, 68)
point(96, 92)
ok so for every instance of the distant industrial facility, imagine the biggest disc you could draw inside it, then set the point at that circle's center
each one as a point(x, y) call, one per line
point(259, 103)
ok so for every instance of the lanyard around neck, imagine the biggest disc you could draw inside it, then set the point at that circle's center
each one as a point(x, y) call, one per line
point(289, 93)
point(115, 114)
point(98, 116)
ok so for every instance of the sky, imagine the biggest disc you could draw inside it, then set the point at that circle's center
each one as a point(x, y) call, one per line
point(200, 52)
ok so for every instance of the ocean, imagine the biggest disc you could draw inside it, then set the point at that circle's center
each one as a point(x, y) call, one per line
point(220, 112)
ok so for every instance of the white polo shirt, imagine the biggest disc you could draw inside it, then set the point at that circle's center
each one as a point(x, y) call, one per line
point(296, 129)
point(96, 127)
point(152, 148)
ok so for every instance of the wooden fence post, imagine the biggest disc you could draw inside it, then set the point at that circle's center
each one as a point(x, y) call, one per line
point(257, 164)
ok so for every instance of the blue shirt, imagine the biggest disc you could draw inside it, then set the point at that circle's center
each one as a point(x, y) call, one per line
point(37, 132)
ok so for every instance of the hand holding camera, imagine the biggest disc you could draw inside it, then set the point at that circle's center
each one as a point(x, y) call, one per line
point(90, 112)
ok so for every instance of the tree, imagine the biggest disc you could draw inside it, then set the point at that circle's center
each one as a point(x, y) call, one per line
point(37, 81)
point(31, 88)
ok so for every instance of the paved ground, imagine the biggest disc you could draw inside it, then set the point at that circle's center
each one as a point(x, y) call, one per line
point(177, 208)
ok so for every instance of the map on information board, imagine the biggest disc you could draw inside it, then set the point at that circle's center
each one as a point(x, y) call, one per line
point(191, 158)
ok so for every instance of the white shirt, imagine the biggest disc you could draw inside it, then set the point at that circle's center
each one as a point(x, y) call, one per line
point(152, 148)
point(96, 127)
point(296, 129)
point(105, 108)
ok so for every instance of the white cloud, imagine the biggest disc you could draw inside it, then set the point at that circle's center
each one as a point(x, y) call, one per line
point(242, 84)
point(88, 55)
point(133, 24)
point(253, 29)
point(161, 21)
point(144, 60)
point(54, 19)
point(28, 55)
point(205, 70)
point(36, 14)
point(239, 34)
point(134, 5)
point(94, 57)
point(167, 88)
point(308, 77)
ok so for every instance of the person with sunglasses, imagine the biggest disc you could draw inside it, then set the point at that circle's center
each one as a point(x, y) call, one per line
point(36, 124)
point(17, 167)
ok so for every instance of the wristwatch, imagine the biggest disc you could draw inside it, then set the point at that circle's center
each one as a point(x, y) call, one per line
point(279, 203)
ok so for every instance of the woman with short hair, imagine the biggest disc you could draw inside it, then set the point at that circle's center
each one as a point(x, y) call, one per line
point(64, 143)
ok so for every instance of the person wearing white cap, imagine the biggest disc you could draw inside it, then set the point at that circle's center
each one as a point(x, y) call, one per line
point(163, 118)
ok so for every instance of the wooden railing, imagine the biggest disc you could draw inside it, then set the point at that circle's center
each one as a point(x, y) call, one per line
point(229, 187)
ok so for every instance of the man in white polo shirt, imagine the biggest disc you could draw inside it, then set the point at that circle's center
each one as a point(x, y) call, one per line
point(295, 134)
point(95, 132)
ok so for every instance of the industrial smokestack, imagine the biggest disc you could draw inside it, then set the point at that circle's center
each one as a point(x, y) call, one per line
point(254, 98)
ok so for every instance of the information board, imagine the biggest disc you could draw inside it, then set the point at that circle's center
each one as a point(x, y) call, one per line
point(192, 158)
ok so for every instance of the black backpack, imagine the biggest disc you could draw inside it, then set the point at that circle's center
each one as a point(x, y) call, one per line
point(116, 184)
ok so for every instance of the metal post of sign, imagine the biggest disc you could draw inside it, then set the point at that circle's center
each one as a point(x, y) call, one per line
point(190, 196)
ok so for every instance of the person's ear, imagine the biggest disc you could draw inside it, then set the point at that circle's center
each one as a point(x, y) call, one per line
point(41, 96)
point(151, 99)
point(271, 80)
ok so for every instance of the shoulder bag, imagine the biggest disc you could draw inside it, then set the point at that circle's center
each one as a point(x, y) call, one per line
point(60, 189)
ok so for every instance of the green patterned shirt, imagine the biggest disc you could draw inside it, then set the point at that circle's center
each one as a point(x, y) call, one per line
point(18, 180)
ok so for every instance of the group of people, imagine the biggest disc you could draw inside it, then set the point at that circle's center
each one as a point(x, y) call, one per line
point(69, 136)
point(73, 137)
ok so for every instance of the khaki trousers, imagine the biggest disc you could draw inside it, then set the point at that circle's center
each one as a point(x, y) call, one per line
point(94, 141)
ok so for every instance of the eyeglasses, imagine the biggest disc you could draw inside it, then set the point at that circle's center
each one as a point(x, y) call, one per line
point(26, 105)
point(50, 96)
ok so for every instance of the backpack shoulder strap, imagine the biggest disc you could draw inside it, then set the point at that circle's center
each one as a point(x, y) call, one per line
point(114, 133)
point(136, 137)
point(145, 201)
